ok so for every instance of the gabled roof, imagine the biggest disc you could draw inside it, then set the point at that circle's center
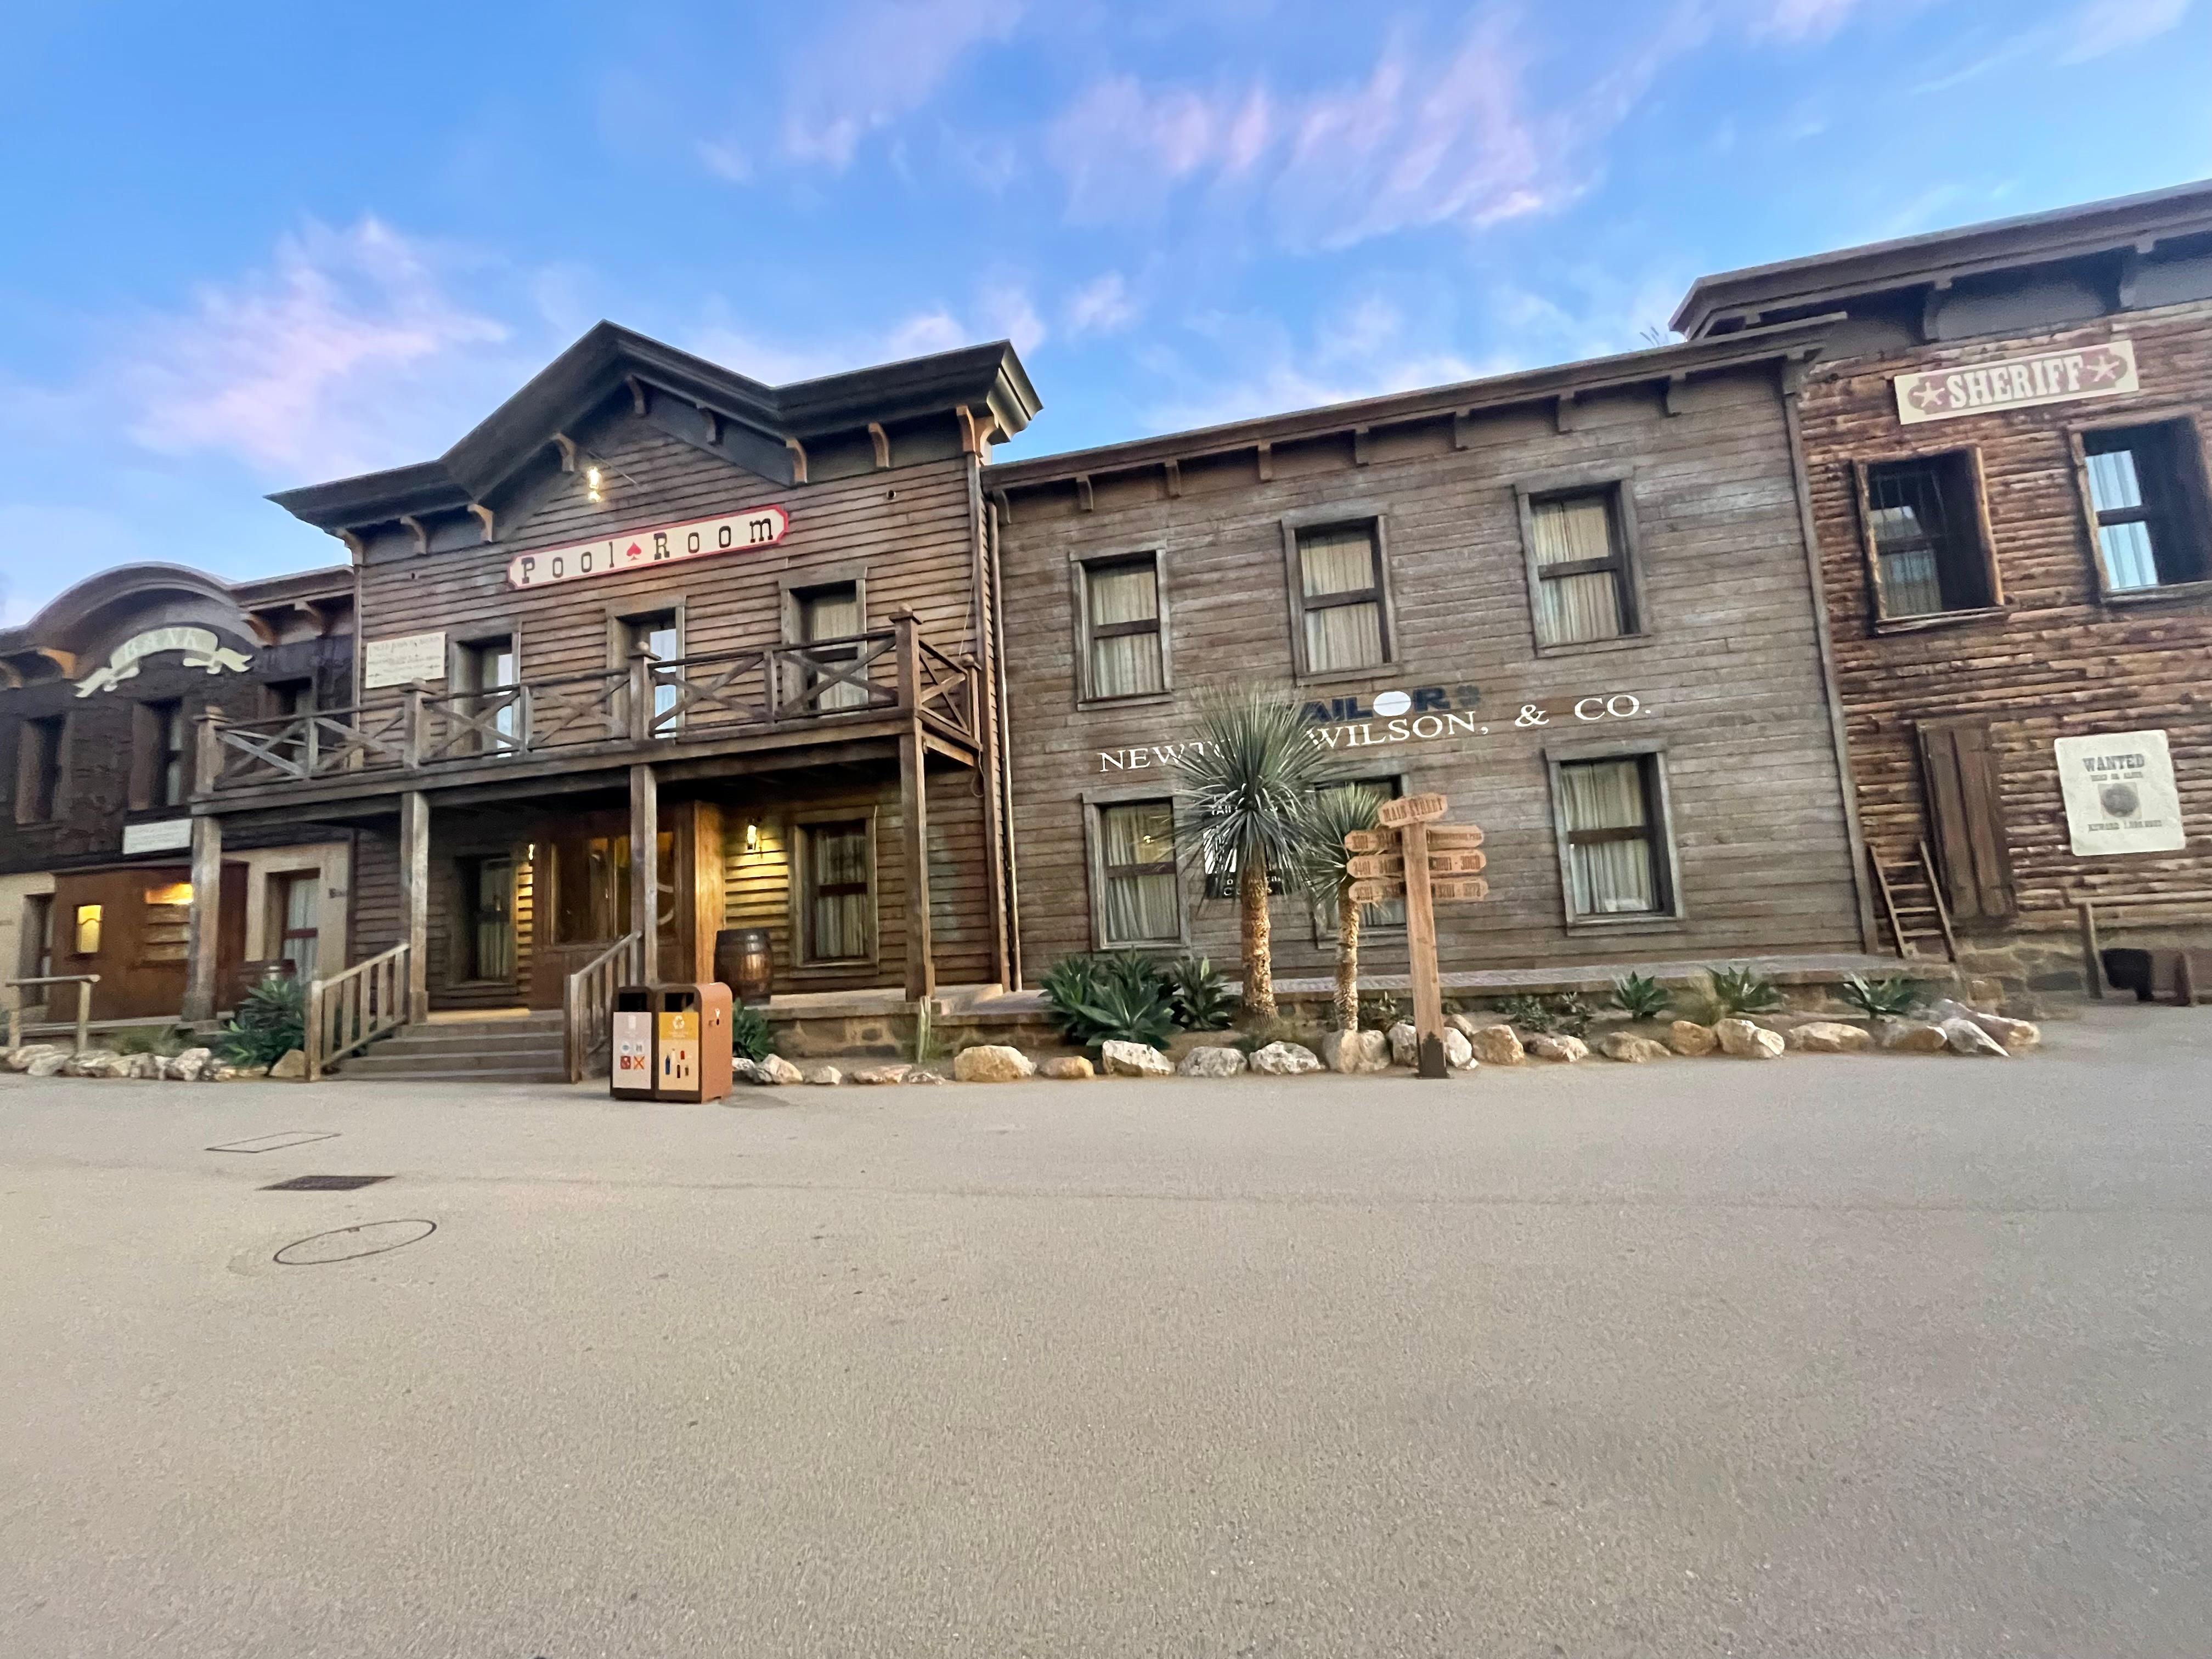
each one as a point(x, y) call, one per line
point(1738, 299)
point(984, 379)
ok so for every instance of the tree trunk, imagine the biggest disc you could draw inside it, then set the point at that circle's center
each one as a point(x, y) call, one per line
point(1259, 958)
point(1347, 960)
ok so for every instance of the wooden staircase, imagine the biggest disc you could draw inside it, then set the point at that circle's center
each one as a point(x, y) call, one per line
point(515, 1049)
point(1913, 904)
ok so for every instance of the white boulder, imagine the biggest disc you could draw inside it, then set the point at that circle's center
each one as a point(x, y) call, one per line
point(1211, 1062)
point(1560, 1050)
point(992, 1062)
point(1285, 1059)
point(1355, 1051)
point(1745, 1041)
point(1119, 1059)
point(1964, 1036)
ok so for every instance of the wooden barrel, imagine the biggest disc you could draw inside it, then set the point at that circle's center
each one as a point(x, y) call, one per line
point(743, 962)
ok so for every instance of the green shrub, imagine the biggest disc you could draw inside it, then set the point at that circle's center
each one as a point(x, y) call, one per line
point(1118, 996)
point(1274, 1030)
point(1640, 997)
point(1739, 991)
point(1198, 995)
point(750, 1037)
point(1067, 985)
point(271, 1021)
point(167, 1041)
point(1881, 999)
point(1379, 1010)
point(1567, 1015)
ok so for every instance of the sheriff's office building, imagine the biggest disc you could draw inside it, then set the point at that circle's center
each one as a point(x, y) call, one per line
point(2006, 440)
point(1870, 617)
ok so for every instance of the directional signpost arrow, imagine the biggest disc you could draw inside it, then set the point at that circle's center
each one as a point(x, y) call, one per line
point(1415, 858)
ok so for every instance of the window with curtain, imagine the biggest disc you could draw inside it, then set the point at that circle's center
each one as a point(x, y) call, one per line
point(1927, 551)
point(486, 670)
point(656, 633)
point(1583, 591)
point(1122, 608)
point(1610, 813)
point(833, 613)
point(839, 906)
point(2147, 496)
point(1340, 597)
point(1141, 903)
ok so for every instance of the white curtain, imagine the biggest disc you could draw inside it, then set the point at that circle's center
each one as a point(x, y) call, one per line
point(300, 924)
point(2115, 486)
point(1611, 877)
point(1125, 664)
point(1140, 902)
point(1340, 561)
point(835, 615)
point(838, 857)
point(1573, 609)
point(1911, 584)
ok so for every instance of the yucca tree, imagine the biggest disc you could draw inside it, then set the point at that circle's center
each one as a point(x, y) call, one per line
point(1247, 781)
point(1331, 814)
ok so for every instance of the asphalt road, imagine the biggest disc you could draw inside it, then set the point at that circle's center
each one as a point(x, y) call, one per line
point(1835, 1356)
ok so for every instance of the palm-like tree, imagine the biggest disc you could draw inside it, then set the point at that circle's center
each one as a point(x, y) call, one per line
point(1248, 780)
point(1334, 814)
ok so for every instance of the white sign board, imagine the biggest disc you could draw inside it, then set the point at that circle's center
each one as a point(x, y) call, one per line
point(403, 660)
point(2120, 795)
point(2047, 377)
point(201, 649)
point(168, 835)
point(642, 550)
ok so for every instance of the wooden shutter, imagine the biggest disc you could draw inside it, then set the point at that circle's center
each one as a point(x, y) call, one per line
point(147, 738)
point(1965, 815)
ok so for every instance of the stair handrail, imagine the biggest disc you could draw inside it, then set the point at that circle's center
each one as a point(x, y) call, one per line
point(348, 1011)
point(587, 1000)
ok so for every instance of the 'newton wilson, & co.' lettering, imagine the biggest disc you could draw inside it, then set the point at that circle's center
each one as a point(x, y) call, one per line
point(642, 550)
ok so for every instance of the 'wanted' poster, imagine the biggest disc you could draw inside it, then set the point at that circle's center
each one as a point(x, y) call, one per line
point(2120, 796)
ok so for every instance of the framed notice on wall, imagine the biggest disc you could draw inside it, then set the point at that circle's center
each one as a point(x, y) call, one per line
point(2120, 795)
point(403, 660)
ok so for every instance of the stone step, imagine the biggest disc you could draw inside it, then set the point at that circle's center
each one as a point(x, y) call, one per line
point(419, 1041)
point(534, 1074)
point(378, 1062)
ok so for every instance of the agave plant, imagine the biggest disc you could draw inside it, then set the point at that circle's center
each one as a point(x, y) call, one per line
point(1198, 995)
point(1892, 998)
point(1247, 778)
point(1640, 996)
point(1739, 991)
point(1331, 814)
point(1123, 1010)
point(1067, 985)
point(750, 1036)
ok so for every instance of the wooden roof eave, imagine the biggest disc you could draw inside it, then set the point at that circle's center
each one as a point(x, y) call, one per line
point(1658, 367)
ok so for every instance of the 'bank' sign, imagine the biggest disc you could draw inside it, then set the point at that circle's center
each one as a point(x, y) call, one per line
point(2049, 376)
point(642, 550)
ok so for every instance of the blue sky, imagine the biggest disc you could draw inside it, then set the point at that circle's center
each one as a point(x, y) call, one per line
point(254, 245)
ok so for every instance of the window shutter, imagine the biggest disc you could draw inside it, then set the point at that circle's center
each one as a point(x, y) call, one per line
point(146, 739)
point(1877, 605)
point(1980, 483)
point(1966, 811)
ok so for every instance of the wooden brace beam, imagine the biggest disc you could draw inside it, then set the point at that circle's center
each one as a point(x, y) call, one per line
point(1083, 497)
point(1173, 470)
point(567, 445)
point(422, 531)
point(1266, 453)
point(485, 517)
point(798, 459)
point(881, 441)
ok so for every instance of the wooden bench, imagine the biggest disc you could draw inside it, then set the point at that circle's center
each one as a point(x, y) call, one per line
point(2191, 970)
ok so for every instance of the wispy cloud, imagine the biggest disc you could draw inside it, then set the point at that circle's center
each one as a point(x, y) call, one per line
point(1000, 310)
point(2099, 27)
point(348, 351)
point(875, 61)
point(1102, 306)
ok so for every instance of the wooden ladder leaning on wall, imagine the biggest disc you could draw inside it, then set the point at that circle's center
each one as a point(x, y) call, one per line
point(1909, 923)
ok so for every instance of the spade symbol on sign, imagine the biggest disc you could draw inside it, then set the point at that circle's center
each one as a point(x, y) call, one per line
point(633, 551)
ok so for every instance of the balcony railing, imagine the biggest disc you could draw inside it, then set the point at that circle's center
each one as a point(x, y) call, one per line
point(817, 687)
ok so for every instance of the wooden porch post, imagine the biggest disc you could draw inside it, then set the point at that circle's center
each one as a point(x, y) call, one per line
point(644, 868)
point(913, 815)
point(203, 925)
point(415, 900)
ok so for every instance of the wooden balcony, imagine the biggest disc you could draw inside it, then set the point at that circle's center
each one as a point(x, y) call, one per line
point(847, 698)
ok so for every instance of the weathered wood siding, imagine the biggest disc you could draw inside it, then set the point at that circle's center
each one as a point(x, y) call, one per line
point(2059, 662)
point(1728, 678)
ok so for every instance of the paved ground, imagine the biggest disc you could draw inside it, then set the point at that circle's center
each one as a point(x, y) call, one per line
point(1833, 1357)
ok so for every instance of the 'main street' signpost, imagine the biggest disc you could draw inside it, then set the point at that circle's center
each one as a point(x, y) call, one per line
point(1415, 858)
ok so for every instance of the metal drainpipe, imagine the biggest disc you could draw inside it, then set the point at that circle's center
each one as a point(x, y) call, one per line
point(1005, 744)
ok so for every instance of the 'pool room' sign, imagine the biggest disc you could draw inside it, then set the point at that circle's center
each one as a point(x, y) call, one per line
point(640, 550)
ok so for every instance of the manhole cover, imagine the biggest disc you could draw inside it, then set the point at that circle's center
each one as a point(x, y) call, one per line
point(277, 1142)
point(369, 1238)
point(322, 1183)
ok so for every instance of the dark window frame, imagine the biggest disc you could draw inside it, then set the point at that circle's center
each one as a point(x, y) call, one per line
point(161, 754)
point(41, 768)
point(2194, 483)
point(804, 826)
point(1080, 567)
point(1096, 803)
point(1374, 516)
point(1671, 913)
point(1626, 561)
point(1324, 915)
point(1978, 549)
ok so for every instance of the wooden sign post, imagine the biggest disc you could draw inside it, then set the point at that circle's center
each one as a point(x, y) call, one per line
point(1414, 857)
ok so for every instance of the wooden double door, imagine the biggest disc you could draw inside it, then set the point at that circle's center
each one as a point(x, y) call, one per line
point(583, 875)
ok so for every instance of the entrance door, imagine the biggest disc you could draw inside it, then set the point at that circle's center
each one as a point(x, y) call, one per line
point(488, 941)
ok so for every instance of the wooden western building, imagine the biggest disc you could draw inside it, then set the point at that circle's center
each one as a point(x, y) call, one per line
point(1577, 601)
point(100, 695)
point(2006, 438)
point(656, 652)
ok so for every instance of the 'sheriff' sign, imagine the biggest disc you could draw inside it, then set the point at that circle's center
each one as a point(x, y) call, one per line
point(2048, 377)
point(642, 550)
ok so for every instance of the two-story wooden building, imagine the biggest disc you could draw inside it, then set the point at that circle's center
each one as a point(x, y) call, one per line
point(1576, 600)
point(102, 689)
point(2006, 437)
point(653, 652)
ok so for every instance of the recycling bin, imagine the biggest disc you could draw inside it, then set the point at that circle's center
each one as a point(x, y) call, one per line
point(631, 1023)
point(691, 1042)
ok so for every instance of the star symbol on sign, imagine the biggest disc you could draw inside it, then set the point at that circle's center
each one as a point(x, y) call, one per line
point(2102, 369)
point(1931, 395)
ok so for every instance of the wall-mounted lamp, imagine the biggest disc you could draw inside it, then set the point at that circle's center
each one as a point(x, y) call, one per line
point(753, 838)
point(592, 483)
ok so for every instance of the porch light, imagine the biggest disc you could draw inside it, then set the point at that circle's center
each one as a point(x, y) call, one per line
point(752, 836)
